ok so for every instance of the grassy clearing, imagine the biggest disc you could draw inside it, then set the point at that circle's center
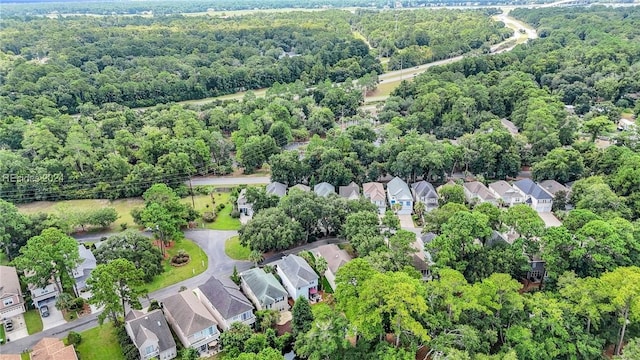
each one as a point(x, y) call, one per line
point(34, 321)
point(100, 343)
point(3, 339)
point(326, 287)
point(223, 221)
point(172, 274)
point(25, 356)
point(235, 250)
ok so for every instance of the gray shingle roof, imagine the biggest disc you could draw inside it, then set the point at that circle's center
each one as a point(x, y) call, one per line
point(263, 285)
point(225, 297)
point(276, 188)
point(351, 191)
point(530, 188)
point(399, 189)
point(296, 270)
point(424, 189)
point(10, 281)
point(190, 315)
point(553, 187)
point(324, 189)
point(242, 197)
point(477, 188)
point(334, 255)
point(502, 187)
point(150, 326)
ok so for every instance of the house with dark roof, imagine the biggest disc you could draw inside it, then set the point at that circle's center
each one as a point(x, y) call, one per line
point(350, 192)
point(553, 187)
point(335, 258)
point(277, 189)
point(324, 189)
point(11, 301)
point(264, 290)
point(225, 302)
point(511, 127)
point(476, 192)
point(297, 276)
point(506, 193)
point(374, 192)
point(535, 196)
point(244, 206)
point(421, 259)
point(150, 333)
point(192, 323)
point(400, 196)
point(425, 193)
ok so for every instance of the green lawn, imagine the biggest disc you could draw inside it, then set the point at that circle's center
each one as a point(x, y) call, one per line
point(172, 274)
point(4, 260)
point(326, 286)
point(234, 250)
point(100, 343)
point(2, 335)
point(33, 320)
point(223, 221)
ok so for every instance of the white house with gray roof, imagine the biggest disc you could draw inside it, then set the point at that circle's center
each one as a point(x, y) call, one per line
point(150, 333)
point(425, 193)
point(324, 189)
point(244, 206)
point(191, 321)
point(225, 302)
point(297, 276)
point(398, 193)
point(277, 189)
point(509, 196)
point(264, 290)
point(535, 196)
point(81, 272)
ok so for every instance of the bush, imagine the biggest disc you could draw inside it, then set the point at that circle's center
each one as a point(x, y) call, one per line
point(74, 338)
point(76, 304)
point(209, 216)
point(124, 226)
point(220, 207)
point(180, 258)
point(154, 305)
point(235, 214)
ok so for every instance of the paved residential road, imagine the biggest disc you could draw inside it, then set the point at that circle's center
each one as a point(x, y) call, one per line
point(219, 264)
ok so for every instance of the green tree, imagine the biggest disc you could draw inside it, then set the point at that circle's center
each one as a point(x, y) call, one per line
point(12, 229)
point(597, 126)
point(50, 255)
point(326, 337)
point(103, 217)
point(164, 214)
point(233, 340)
point(451, 193)
point(302, 317)
point(523, 220)
point(270, 229)
point(134, 247)
point(623, 285)
point(113, 285)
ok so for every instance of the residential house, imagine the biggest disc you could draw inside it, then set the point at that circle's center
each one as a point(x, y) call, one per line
point(626, 124)
point(537, 273)
point(335, 258)
point(374, 191)
point(297, 277)
point(277, 189)
point(506, 193)
point(421, 259)
point(43, 295)
point(150, 333)
point(10, 293)
point(350, 192)
point(324, 189)
point(535, 196)
point(225, 302)
point(301, 187)
point(191, 322)
point(52, 349)
point(476, 192)
point(399, 195)
point(81, 272)
point(553, 187)
point(244, 206)
point(511, 127)
point(424, 192)
point(264, 290)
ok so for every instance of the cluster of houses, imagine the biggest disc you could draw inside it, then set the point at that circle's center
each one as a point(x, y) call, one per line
point(401, 197)
point(198, 316)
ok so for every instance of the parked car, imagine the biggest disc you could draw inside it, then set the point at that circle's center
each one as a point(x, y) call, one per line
point(44, 310)
point(8, 325)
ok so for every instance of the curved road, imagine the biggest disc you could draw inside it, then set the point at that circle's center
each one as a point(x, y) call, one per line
point(219, 265)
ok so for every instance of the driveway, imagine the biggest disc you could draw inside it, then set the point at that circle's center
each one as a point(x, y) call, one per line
point(19, 329)
point(406, 221)
point(55, 317)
